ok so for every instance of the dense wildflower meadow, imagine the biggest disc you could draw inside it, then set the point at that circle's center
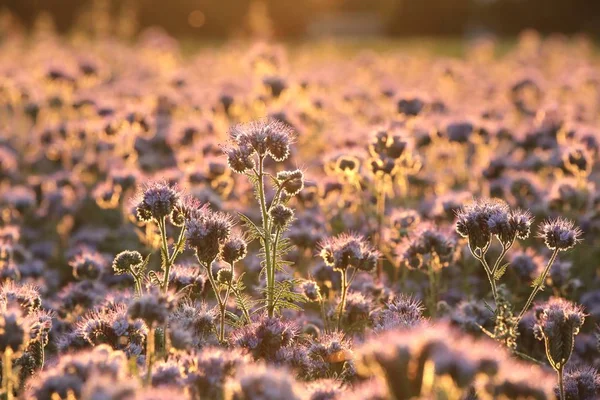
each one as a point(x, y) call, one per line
point(256, 221)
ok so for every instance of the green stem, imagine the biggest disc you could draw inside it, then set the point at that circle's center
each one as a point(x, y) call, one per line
point(486, 267)
point(150, 349)
point(220, 302)
point(324, 316)
point(432, 289)
point(539, 285)
point(224, 306)
point(7, 378)
point(343, 300)
point(380, 214)
point(166, 267)
point(274, 259)
point(267, 236)
point(561, 383)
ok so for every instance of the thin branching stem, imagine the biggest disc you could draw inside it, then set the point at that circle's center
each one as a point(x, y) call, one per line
point(150, 350)
point(7, 377)
point(267, 236)
point(166, 267)
point(539, 284)
point(561, 383)
point(381, 195)
point(343, 299)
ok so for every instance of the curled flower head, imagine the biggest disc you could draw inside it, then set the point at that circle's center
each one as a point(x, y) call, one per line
point(127, 261)
point(152, 307)
point(292, 182)
point(311, 290)
point(281, 216)
point(345, 251)
point(234, 249)
point(481, 220)
point(159, 199)
point(581, 383)
point(520, 223)
point(87, 265)
point(270, 137)
point(224, 276)
point(265, 336)
point(560, 234)
point(425, 242)
point(206, 233)
point(239, 158)
point(557, 322)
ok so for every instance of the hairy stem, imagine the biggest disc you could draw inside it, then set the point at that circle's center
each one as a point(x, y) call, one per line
point(380, 214)
point(150, 350)
point(561, 385)
point(539, 284)
point(343, 300)
point(7, 378)
point(166, 261)
point(267, 236)
point(224, 307)
point(432, 287)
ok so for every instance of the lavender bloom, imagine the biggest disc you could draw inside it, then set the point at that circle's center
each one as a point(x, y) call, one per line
point(158, 200)
point(560, 234)
point(264, 337)
point(581, 384)
point(557, 322)
point(344, 251)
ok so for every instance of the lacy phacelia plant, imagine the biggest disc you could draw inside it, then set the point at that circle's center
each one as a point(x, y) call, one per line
point(484, 220)
point(348, 254)
point(209, 234)
point(24, 334)
point(153, 308)
point(557, 322)
point(249, 147)
point(391, 161)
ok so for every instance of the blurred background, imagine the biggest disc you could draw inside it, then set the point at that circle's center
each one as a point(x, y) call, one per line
point(309, 18)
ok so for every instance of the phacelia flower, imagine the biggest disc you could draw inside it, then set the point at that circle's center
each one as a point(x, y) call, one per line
point(234, 249)
point(557, 322)
point(127, 261)
point(560, 234)
point(281, 216)
point(345, 251)
point(158, 201)
point(206, 233)
point(291, 182)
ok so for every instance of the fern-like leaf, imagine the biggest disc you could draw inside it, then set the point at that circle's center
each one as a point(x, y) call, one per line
point(500, 271)
point(252, 230)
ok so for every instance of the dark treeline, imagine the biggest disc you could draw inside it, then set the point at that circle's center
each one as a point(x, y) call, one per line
point(292, 17)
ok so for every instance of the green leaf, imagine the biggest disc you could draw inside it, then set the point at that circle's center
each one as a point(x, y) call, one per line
point(500, 271)
point(154, 279)
point(539, 281)
point(252, 230)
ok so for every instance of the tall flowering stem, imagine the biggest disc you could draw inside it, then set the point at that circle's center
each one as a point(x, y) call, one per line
point(7, 374)
point(391, 158)
point(348, 254)
point(266, 238)
point(539, 284)
point(559, 235)
point(249, 147)
point(485, 219)
point(557, 322)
